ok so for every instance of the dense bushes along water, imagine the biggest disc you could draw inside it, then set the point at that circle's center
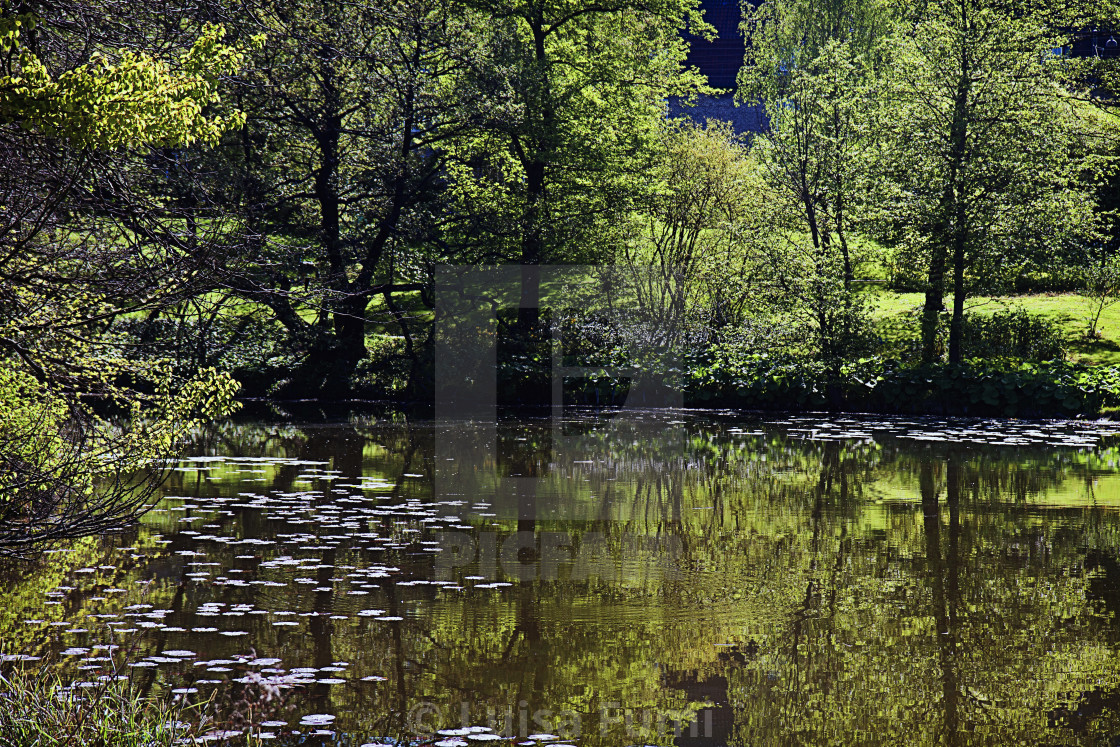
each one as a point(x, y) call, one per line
point(975, 387)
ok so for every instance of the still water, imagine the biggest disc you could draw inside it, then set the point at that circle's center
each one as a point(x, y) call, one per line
point(660, 579)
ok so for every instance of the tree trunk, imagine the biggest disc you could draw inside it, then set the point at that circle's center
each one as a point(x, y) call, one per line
point(352, 338)
point(350, 331)
point(950, 228)
point(958, 142)
point(934, 303)
point(348, 311)
point(956, 326)
point(533, 388)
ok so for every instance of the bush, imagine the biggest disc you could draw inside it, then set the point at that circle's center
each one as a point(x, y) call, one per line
point(1101, 289)
point(759, 381)
point(596, 340)
point(1061, 279)
point(976, 387)
point(1012, 333)
point(1009, 333)
point(985, 387)
point(383, 373)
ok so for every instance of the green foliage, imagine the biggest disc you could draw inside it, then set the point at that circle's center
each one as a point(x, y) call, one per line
point(552, 172)
point(816, 66)
point(996, 75)
point(966, 78)
point(340, 176)
point(1102, 289)
point(977, 387)
point(244, 341)
point(31, 422)
point(382, 139)
point(132, 99)
point(81, 245)
point(384, 374)
point(698, 252)
point(65, 460)
point(1012, 333)
point(790, 38)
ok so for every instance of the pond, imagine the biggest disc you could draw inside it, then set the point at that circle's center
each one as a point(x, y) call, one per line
point(672, 578)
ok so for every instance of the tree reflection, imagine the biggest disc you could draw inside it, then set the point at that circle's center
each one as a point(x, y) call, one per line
point(846, 591)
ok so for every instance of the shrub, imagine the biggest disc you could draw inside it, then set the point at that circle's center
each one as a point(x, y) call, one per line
point(253, 348)
point(1009, 333)
point(984, 387)
point(383, 373)
point(976, 387)
point(1012, 333)
point(1101, 289)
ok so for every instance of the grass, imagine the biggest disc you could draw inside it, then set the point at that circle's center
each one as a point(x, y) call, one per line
point(1069, 310)
point(38, 710)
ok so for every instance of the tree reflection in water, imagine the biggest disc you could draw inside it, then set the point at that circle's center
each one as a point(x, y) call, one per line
point(792, 581)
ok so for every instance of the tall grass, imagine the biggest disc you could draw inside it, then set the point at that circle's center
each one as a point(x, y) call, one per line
point(37, 709)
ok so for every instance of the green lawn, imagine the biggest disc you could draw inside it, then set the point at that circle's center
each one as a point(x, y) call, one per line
point(1070, 310)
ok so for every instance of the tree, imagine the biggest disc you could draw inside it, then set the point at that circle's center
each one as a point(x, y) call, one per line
point(697, 256)
point(82, 245)
point(339, 169)
point(585, 82)
point(382, 138)
point(815, 66)
point(978, 154)
point(551, 176)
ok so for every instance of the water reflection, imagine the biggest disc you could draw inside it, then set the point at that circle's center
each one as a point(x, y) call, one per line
point(672, 579)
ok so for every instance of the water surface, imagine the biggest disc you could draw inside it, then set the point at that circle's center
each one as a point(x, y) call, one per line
point(669, 578)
